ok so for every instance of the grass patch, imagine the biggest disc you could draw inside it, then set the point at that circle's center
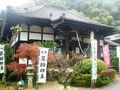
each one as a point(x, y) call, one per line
point(10, 86)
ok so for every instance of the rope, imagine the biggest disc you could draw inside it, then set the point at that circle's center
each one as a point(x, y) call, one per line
point(80, 44)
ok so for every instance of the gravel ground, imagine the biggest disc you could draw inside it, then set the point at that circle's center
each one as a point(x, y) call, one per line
point(53, 85)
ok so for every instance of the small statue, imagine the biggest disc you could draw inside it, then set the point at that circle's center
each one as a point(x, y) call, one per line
point(20, 84)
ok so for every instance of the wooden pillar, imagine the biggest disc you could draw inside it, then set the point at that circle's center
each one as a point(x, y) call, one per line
point(54, 34)
point(98, 47)
point(28, 34)
point(67, 44)
point(42, 34)
point(19, 33)
point(97, 37)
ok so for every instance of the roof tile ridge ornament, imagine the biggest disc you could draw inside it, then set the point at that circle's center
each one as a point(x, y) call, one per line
point(57, 21)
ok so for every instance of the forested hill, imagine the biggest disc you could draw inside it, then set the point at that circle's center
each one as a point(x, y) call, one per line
point(104, 11)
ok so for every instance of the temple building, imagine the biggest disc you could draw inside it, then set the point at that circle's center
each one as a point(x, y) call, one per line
point(53, 23)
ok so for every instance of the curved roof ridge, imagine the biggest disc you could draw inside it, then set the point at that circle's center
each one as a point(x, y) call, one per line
point(44, 11)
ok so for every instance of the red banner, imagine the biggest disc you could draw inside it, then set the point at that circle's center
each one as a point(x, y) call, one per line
point(106, 55)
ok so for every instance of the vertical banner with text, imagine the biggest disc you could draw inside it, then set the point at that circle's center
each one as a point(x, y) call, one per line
point(106, 55)
point(118, 55)
point(118, 51)
point(42, 65)
point(94, 59)
point(2, 59)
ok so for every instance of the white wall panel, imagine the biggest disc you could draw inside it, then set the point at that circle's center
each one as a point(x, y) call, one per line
point(48, 37)
point(36, 36)
point(23, 36)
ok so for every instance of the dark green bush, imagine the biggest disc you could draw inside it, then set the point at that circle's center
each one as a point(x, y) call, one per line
point(83, 74)
point(8, 53)
point(82, 80)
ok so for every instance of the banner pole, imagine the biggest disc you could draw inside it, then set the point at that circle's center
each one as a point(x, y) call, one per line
point(91, 39)
point(93, 60)
point(5, 73)
point(5, 82)
point(118, 55)
point(37, 77)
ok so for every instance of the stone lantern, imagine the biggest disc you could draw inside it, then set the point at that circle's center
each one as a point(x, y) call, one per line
point(30, 74)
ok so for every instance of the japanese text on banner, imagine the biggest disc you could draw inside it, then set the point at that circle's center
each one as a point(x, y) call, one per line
point(106, 55)
point(2, 60)
point(42, 65)
point(94, 59)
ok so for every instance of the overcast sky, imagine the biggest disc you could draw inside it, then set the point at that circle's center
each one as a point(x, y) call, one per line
point(4, 3)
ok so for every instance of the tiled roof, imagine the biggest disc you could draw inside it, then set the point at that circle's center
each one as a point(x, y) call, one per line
point(53, 13)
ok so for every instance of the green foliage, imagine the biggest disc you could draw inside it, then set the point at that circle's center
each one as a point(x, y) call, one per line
point(85, 66)
point(47, 44)
point(102, 11)
point(84, 80)
point(8, 53)
point(117, 22)
point(96, 18)
point(114, 60)
point(102, 81)
point(78, 13)
point(83, 74)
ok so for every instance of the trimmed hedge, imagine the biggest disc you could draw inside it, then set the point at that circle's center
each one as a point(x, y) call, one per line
point(83, 76)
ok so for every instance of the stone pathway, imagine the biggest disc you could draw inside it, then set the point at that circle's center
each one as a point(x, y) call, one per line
point(115, 85)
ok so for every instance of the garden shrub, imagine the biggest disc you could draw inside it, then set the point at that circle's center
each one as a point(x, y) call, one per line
point(109, 72)
point(114, 60)
point(85, 66)
point(83, 74)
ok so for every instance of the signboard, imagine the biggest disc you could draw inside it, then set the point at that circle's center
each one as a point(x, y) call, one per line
point(23, 61)
point(2, 59)
point(94, 58)
point(42, 65)
point(118, 51)
point(106, 55)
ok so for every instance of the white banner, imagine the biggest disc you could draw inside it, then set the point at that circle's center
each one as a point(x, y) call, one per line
point(118, 51)
point(42, 65)
point(94, 58)
point(118, 55)
point(2, 59)
point(23, 61)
